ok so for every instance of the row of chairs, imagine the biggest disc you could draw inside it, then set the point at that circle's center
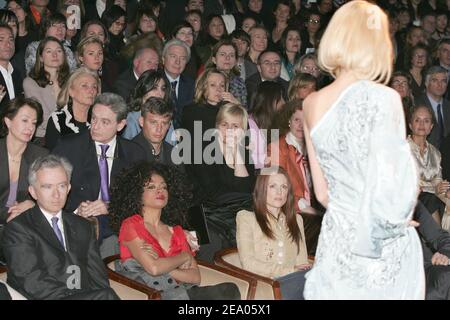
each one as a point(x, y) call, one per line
point(227, 268)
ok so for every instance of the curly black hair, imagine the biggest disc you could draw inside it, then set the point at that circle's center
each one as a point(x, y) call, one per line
point(128, 187)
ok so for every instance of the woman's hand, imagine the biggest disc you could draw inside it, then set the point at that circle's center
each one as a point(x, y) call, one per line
point(439, 259)
point(192, 240)
point(413, 223)
point(228, 97)
point(303, 267)
point(442, 187)
point(189, 260)
point(148, 248)
point(19, 208)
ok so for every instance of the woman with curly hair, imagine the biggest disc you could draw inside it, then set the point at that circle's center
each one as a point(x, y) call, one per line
point(149, 203)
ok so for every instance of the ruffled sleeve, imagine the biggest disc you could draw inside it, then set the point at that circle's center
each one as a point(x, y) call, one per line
point(129, 229)
point(391, 181)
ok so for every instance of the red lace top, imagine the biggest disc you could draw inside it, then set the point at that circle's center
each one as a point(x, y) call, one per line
point(133, 227)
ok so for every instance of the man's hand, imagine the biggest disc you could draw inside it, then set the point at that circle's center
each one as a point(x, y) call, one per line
point(439, 259)
point(92, 208)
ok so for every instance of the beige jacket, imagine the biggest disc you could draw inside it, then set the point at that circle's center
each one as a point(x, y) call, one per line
point(264, 256)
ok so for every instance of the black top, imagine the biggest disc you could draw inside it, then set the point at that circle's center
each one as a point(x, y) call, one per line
point(31, 153)
point(215, 182)
point(62, 123)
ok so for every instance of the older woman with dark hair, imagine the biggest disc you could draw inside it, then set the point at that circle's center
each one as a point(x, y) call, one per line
point(46, 79)
point(289, 152)
point(434, 190)
point(417, 63)
point(19, 121)
point(54, 26)
point(151, 83)
point(149, 204)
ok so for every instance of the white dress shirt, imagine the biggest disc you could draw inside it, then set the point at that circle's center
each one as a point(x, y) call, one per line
point(49, 217)
point(7, 75)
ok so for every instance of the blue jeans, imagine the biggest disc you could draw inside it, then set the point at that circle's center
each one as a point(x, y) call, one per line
point(292, 285)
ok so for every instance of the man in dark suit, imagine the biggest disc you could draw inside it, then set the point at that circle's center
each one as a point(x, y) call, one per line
point(10, 80)
point(269, 69)
point(443, 59)
point(436, 85)
point(436, 254)
point(51, 253)
point(144, 59)
point(155, 122)
point(176, 55)
point(98, 156)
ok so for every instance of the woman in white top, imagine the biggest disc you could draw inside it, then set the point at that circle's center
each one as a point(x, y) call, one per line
point(362, 168)
point(434, 191)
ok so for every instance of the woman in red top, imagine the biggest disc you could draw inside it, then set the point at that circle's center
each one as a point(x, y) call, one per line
point(153, 245)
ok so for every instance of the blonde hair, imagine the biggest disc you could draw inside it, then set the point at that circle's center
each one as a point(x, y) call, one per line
point(63, 96)
point(357, 39)
point(84, 43)
point(232, 110)
point(201, 85)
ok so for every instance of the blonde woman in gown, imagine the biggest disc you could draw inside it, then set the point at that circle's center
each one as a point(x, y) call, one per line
point(362, 167)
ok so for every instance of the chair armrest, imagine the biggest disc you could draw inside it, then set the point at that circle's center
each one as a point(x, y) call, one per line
point(213, 274)
point(266, 288)
point(120, 282)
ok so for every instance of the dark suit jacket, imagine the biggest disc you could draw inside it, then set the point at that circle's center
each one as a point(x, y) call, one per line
point(166, 149)
point(18, 89)
point(434, 239)
point(38, 265)
point(31, 153)
point(80, 151)
point(125, 83)
point(252, 84)
point(434, 134)
point(250, 68)
point(186, 89)
point(445, 158)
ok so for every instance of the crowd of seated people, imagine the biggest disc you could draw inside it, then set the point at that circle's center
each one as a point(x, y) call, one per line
point(193, 85)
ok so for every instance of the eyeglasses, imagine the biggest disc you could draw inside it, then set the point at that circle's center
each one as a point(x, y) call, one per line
point(315, 21)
